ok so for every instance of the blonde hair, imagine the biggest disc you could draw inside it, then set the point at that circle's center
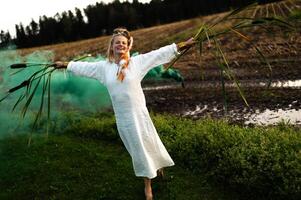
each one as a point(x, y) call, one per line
point(117, 32)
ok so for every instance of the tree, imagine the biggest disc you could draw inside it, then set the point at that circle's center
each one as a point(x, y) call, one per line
point(34, 27)
point(79, 24)
point(5, 39)
point(103, 18)
point(21, 38)
point(2, 36)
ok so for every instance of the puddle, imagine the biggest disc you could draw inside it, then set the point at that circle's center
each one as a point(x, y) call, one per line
point(290, 114)
point(161, 87)
point(272, 117)
point(284, 107)
point(287, 84)
point(197, 111)
point(247, 83)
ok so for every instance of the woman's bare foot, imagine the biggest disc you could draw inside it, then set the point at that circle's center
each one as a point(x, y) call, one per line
point(148, 193)
point(148, 189)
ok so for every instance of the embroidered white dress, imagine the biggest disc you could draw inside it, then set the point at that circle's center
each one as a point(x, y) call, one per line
point(134, 124)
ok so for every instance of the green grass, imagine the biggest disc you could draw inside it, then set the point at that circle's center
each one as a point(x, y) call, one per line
point(85, 159)
point(68, 167)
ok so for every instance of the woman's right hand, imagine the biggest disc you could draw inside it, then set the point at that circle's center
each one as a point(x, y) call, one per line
point(60, 64)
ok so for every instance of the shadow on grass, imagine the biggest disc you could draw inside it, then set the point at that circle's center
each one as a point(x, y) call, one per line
point(68, 167)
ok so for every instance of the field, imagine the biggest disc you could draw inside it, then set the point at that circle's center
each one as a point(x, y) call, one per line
point(201, 74)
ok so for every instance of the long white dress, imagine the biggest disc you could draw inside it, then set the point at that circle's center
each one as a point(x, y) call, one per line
point(134, 124)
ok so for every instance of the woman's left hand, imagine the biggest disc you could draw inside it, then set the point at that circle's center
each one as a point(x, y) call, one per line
point(184, 45)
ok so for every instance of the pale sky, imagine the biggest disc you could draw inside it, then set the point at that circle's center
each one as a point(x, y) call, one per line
point(15, 11)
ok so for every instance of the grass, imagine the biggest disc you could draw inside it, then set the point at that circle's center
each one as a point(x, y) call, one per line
point(70, 167)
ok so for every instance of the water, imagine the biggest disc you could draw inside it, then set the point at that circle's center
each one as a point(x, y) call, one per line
point(272, 117)
point(290, 114)
point(287, 84)
point(246, 83)
point(267, 117)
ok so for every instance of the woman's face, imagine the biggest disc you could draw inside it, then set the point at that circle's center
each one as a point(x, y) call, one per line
point(120, 45)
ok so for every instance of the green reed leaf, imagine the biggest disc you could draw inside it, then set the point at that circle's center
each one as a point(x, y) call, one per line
point(24, 110)
point(39, 114)
point(48, 105)
point(233, 13)
point(3, 98)
point(224, 92)
point(18, 101)
point(224, 64)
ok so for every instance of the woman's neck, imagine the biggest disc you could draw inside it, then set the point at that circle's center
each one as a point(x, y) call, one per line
point(117, 58)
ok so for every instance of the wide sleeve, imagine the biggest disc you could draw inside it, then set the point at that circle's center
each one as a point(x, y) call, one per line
point(93, 70)
point(147, 61)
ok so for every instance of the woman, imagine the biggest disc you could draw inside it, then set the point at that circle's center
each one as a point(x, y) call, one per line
point(122, 76)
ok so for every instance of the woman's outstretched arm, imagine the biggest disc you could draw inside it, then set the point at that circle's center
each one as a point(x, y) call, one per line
point(61, 65)
point(163, 55)
point(93, 70)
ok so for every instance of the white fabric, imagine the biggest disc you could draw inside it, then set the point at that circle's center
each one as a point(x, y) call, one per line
point(134, 124)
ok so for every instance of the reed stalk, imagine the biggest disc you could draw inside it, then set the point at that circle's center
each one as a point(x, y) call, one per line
point(237, 20)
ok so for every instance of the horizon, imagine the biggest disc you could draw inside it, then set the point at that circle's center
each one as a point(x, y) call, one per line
point(27, 11)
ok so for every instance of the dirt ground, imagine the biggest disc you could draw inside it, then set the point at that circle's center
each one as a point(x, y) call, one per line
point(203, 95)
point(203, 92)
point(209, 101)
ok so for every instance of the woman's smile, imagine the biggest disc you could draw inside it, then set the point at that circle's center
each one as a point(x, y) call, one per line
point(120, 48)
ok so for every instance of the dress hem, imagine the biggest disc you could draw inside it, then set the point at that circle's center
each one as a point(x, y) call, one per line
point(154, 176)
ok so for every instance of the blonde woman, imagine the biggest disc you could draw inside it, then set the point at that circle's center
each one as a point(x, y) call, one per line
point(122, 75)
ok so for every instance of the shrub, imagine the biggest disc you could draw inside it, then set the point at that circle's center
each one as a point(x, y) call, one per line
point(263, 161)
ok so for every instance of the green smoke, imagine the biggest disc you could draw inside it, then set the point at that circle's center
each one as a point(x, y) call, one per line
point(68, 92)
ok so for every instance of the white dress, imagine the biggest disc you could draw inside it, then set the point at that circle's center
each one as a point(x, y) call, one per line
point(134, 124)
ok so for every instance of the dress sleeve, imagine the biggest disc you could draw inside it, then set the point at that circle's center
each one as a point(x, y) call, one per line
point(93, 70)
point(147, 61)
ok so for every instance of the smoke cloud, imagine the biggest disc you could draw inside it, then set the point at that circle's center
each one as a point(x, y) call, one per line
point(68, 92)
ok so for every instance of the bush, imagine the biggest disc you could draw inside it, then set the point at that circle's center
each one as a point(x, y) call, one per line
point(263, 161)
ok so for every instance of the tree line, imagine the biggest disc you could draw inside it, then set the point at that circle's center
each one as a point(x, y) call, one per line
point(101, 19)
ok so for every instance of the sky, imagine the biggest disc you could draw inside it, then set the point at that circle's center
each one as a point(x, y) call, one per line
point(15, 11)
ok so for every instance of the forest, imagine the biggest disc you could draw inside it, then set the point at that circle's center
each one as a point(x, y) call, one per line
point(101, 19)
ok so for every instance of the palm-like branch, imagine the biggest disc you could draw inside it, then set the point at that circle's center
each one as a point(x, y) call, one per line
point(236, 21)
point(38, 79)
